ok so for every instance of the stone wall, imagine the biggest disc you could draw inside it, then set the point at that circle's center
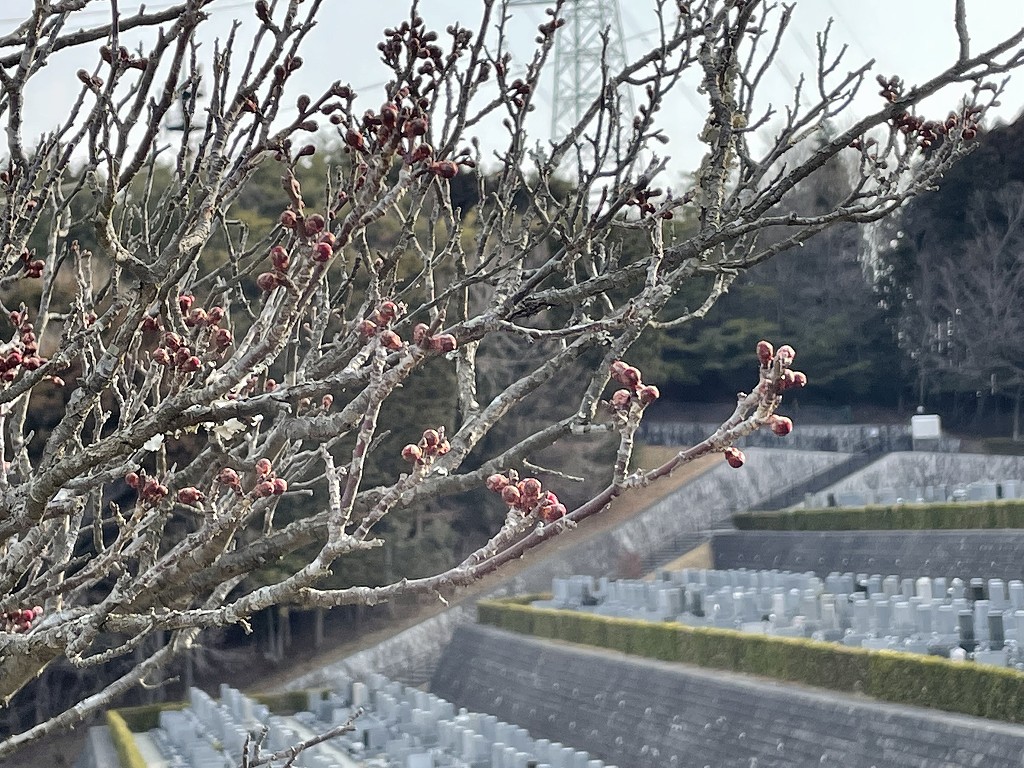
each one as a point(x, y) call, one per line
point(908, 554)
point(648, 714)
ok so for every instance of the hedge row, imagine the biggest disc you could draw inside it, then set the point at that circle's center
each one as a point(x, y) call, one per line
point(944, 516)
point(124, 743)
point(928, 681)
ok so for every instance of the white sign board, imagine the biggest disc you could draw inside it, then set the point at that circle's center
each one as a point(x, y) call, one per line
point(925, 427)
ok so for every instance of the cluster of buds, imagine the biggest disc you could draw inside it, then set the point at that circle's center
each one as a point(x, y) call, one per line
point(173, 352)
point(431, 446)
point(641, 200)
point(151, 491)
point(420, 42)
point(22, 353)
point(123, 58)
point(190, 496)
point(442, 342)
point(547, 29)
point(634, 389)
point(526, 496)
point(31, 266)
point(379, 324)
point(892, 88)
point(20, 619)
point(788, 378)
point(267, 483)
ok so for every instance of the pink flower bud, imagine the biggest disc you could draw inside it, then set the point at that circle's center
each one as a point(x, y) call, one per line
point(185, 302)
point(419, 332)
point(431, 437)
point(269, 385)
point(552, 512)
point(322, 252)
point(367, 328)
point(327, 402)
point(173, 341)
point(215, 315)
point(191, 365)
point(160, 356)
point(390, 340)
point(263, 467)
point(530, 489)
point(780, 425)
point(279, 258)
point(621, 399)
point(510, 495)
point(388, 310)
point(765, 351)
point(280, 486)
point(314, 225)
point(734, 456)
point(289, 219)
point(412, 453)
point(785, 355)
point(132, 478)
point(445, 342)
point(496, 483)
point(648, 394)
point(263, 489)
point(267, 281)
point(189, 495)
point(228, 477)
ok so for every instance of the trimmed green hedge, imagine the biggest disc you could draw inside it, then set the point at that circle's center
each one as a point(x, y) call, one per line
point(124, 743)
point(902, 678)
point(945, 516)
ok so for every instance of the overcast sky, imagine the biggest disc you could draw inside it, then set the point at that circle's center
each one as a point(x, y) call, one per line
point(912, 38)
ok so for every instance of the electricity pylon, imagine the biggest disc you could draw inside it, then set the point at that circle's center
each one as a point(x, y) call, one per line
point(578, 51)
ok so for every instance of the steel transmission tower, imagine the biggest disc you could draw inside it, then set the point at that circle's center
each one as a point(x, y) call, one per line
point(578, 50)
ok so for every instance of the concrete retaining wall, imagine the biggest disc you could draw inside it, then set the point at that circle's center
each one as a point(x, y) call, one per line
point(646, 714)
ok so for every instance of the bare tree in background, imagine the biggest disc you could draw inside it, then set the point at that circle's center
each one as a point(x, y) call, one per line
point(195, 393)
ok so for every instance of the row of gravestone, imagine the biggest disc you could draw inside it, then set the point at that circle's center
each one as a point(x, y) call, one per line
point(398, 725)
point(951, 618)
point(985, 490)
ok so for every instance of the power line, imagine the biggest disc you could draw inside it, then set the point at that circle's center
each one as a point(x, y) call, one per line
point(85, 14)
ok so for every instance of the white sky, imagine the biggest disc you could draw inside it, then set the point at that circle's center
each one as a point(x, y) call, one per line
point(912, 38)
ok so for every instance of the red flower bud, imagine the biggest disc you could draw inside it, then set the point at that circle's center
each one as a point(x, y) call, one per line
point(621, 399)
point(780, 425)
point(279, 258)
point(419, 332)
point(648, 394)
point(431, 437)
point(444, 342)
point(263, 467)
point(185, 302)
point(289, 219)
point(367, 328)
point(322, 252)
point(765, 351)
point(160, 356)
point(510, 495)
point(496, 483)
point(327, 402)
point(552, 512)
point(315, 225)
point(269, 385)
point(191, 365)
point(189, 495)
point(391, 340)
point(228, 477)
point(412, 453)
point(280, 486)
point(734, 456)
point(388, 310)
point(173, 341)
point(263, 489)
point(215, 315)
point(785, 355)
point(267, 281)
point(530, 488)
point(132, 478)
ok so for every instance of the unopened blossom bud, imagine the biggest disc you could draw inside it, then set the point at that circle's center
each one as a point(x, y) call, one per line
point(196, 317)
point(616, 369)
point(780, 425)
point(160, 356)
point(412, 453)
point(367, 328)
point(173, 341)
point(510, 495)
point(419, 332)
point(269, 385)
point(185, 302)
point(496, 483)
point(263, 467)
point(280, 485)
point(289, 219)
point(549, 513)
point(648, 394)
point(785, 355)
point(228, 477)
point(315, 225)
point(530, 488)
point(189, 495)
point(215, 315)
point(630, 378)
point(765, 352)
point(388, 310)
point(132, 479)
point(322, 252)
point(799, 379)
point(279, 258)
point(734, 456)
point(431, 437)
point(444, 342)
point(390, 340)
point(191, 365)
point(621, 399)
point(263, 489)
point(327, 402)
point(267, 281)
point(222, 338)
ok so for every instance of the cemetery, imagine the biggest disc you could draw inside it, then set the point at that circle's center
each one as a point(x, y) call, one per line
point(392, 726)
point(975, 619)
